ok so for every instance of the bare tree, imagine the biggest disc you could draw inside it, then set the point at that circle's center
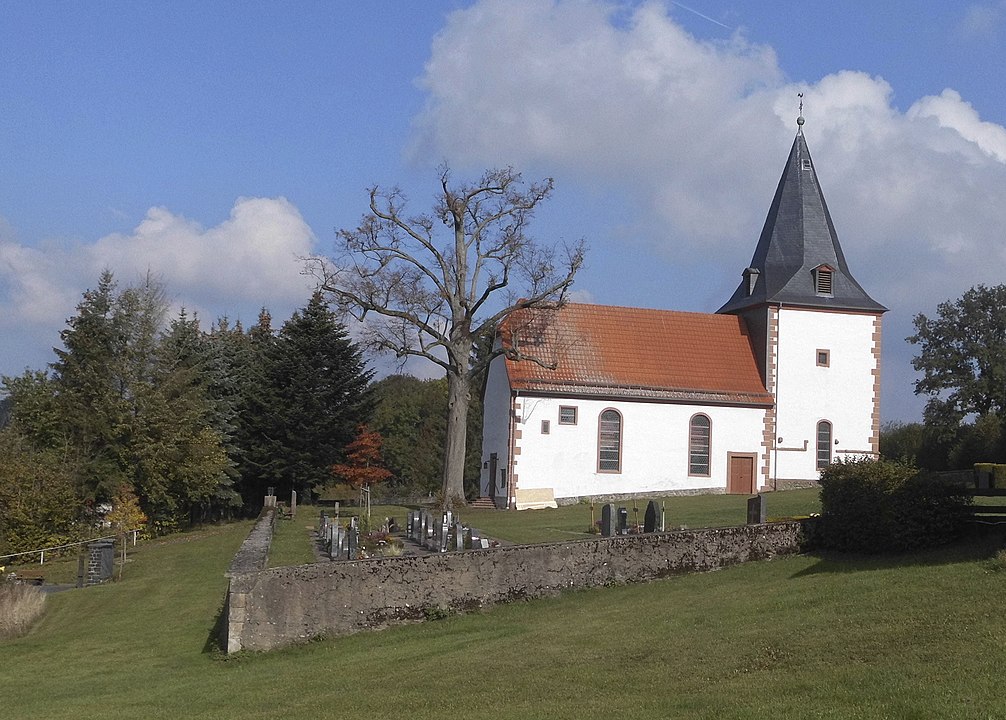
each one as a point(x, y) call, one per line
point(436, 282)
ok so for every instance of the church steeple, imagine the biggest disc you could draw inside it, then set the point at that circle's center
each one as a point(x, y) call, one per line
point(798, 260)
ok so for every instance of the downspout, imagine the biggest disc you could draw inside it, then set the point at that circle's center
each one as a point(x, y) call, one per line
point(511, 490)
point(775, 399)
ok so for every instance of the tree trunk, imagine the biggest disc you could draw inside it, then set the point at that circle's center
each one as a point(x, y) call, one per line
point(458, 398)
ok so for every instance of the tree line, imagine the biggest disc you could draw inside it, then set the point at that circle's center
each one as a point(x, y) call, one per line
point(196, 425)
point(962, 372)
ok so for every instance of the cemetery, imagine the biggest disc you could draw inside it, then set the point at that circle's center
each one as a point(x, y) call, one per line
point(446, 566)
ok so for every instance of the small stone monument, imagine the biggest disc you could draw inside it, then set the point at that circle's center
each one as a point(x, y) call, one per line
point(653, 519)
point(607, 520)
point(756, 510)
point(623, 522)
point(353, 544)
point(293, 503)
point(444, 528)
point(459, 537)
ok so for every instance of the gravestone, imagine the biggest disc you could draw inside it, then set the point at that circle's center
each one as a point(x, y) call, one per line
point(607, 520)
point(444, 529)
point(653, 519)
point(409, 524)
point(756, 510)
point(392, 525)
point(335, 546)
point(623, 521)
point(354, 543)
point(459, 536)
point(474, 538)
point(293, 503)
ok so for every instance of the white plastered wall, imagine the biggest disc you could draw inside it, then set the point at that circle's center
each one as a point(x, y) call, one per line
point(654, 446)
point(842, 393)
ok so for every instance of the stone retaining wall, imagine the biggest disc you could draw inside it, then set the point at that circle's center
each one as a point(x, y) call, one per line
point(278, 606)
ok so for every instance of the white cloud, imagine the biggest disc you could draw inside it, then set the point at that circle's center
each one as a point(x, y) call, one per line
point(694, 133)
point(248, 261)
point(981, 22)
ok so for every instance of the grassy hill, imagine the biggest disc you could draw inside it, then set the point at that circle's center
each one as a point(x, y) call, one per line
point(803, 637)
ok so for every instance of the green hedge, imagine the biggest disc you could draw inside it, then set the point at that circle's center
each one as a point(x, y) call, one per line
point(875, 506)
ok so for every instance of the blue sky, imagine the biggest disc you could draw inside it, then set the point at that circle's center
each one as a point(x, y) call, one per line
point(214, 143)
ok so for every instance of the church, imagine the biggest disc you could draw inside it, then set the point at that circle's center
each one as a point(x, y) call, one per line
point(781, 381)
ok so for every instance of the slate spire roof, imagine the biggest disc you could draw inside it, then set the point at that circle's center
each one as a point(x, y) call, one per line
point(798, 239)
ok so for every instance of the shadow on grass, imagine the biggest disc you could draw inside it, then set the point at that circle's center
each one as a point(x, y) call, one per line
point(978, 544)
point(214, 644)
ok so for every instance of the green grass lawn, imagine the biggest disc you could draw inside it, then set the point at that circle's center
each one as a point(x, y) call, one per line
point(915, 636)
point(690, 511)
point(293, 538)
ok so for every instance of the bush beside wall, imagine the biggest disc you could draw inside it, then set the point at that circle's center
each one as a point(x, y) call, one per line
point(876, 506)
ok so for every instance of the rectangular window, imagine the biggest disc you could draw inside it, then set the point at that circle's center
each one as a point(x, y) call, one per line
point(567, 415)
point(546, 427)
point(823, 358)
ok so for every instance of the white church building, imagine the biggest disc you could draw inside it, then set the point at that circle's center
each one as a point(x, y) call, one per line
point(781, 381)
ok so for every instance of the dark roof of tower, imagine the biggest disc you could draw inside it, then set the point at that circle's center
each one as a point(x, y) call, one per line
point(798, 238)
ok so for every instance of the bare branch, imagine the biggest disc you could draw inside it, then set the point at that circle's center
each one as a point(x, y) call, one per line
point(429, 285)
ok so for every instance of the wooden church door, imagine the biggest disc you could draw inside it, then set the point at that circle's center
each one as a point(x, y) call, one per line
point(741, 474)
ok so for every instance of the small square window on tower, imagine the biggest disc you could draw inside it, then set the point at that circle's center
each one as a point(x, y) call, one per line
point(823, 358)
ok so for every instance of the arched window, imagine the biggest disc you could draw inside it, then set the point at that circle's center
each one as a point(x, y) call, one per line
point(823, 444)
point(699, 435)
point(609, 442)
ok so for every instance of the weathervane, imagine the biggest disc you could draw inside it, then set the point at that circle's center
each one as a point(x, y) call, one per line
point(800, 121)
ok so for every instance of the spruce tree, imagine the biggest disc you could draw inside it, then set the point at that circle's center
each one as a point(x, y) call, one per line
point(322, 394)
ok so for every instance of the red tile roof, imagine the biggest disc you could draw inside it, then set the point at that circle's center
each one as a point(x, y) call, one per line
point(602, 350)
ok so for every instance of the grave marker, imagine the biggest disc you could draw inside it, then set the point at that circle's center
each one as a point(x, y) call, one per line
point(607, 520)
point(653, 519)
point(756, 510)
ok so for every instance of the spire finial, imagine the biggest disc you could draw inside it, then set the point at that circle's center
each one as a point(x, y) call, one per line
point(800, 121)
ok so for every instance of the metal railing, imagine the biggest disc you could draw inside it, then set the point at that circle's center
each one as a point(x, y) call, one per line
point(42, 551)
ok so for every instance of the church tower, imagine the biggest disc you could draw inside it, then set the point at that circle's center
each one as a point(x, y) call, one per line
point(816, 333)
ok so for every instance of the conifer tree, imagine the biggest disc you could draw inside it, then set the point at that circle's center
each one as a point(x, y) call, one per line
point(321, 387)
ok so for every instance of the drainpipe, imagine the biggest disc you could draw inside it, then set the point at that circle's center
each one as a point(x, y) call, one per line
point(775, 398)
point(511, 490)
